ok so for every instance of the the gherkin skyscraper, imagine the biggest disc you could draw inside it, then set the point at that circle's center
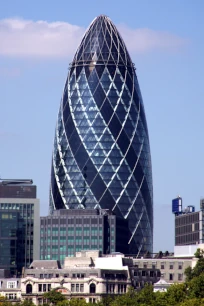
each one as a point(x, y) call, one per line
point(101, 157)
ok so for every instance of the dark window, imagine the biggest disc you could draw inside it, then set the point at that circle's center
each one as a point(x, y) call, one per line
point(92, 288)
point(29, 289)
point(40, 287)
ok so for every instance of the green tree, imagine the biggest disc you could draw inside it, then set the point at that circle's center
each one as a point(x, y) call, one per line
point(196, 287)
point(127, 299)
point(192, 302)
point(26, 302)
point(176, 294)
point(199, 267)
point(146, 296)
point(54, 297)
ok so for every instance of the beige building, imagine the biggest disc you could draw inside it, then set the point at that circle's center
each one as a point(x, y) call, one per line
point(86, 276)
point(10, 288)
point(171, 268)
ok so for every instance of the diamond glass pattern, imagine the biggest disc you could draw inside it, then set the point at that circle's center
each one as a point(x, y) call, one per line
point(101, 156)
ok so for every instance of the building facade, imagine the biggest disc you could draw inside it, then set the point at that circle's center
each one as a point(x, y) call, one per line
point(69, 231)
point(189, 226)
point(101, 157)
point(170, 268)
point(86, 276)
point(19, 225)
point(10, 288)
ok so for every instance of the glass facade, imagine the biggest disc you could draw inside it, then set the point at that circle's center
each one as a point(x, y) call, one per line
point(101, 157)
point(16, 236)
point(62, 235)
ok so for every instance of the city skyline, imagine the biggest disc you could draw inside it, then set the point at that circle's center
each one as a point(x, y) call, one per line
point(169, 67)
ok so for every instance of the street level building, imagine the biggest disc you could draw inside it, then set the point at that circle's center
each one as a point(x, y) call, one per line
point(68, 231)
point(101, 156)
point(87, 276)
point(19, 225)
point(10, 288)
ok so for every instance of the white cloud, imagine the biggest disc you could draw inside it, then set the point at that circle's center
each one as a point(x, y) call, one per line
point(27, 38)
point(144, 40)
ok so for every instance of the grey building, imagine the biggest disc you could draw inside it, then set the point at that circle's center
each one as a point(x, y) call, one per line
point(19, 225)
point(69, 231)
point(189, 226)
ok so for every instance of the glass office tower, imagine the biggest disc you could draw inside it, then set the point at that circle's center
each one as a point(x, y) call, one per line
point(101, 157)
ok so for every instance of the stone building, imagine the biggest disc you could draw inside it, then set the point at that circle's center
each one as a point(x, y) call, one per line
point(10, 288)
point(86, 276)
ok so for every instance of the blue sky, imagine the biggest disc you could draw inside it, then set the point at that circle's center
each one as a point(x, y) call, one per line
point(165, 40)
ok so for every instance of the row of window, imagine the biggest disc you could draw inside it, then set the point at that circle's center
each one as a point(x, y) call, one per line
point(147, 273)
point(10, 284)
point(71, 221)
point(77, 287)
point(51, 275)
point(173, 277)
point(187, 239)
point(11, 296)
point(186, 219)
point(111, 288)
point(44, 287)
point(190, 228)
point(163, 265)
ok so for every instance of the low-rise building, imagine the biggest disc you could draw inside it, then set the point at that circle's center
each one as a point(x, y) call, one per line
point(86, 276)
point(10, 288)
point(172, 268)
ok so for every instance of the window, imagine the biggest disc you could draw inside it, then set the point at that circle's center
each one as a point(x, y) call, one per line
point(11, 285)
point(180, 265)
point(11, 296)
point(162, 265)
point(143, 273)
point(92, 300)
point(72, 287)
point(151, 274)
point(180, 277)
point(110, 288)
point(122, 288)
point(81, 287)
point(29, 289)
point(171, 277)
point(92, 288)
point(171, 265)
point(39, 287)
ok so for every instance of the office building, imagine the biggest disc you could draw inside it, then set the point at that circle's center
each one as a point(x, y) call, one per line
point(19, 225)
point(101, 157)
point(69, 231)
point(189, 224)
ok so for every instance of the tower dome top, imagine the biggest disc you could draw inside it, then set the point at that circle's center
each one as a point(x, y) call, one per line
point(102, 43)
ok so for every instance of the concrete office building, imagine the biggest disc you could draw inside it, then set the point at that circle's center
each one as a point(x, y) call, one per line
point(189, 224)
point(19, 225)
point(101, 156)
point(69, 231)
